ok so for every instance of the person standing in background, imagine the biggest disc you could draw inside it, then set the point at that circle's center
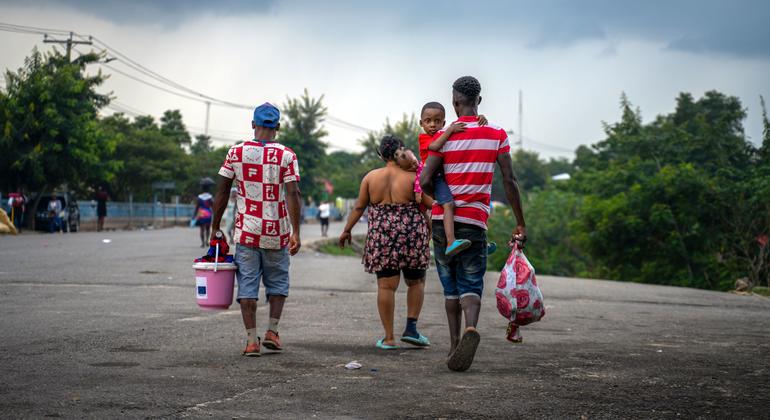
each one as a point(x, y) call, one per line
point(18, 203)
point(101, 207)
point(324, 211)
point(203, 213)
point(54, 214)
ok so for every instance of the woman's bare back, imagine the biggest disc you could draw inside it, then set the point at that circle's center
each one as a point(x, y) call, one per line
point(390, 185)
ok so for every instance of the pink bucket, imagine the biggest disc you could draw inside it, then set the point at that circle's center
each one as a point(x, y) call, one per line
point(214, 284)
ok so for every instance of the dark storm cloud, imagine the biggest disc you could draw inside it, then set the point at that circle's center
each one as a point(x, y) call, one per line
point(738, 27)
point(169, 13)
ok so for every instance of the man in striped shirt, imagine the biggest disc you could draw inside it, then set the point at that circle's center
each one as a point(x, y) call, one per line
point(469, 159)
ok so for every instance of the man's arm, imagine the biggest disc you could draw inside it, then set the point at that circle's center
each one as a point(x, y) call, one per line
point(356, 212)
point(426, 177)
point(294, 203)
point(512, 194)
point(220, 203)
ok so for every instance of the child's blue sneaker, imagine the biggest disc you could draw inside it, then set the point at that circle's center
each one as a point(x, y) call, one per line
point(456, 247)
point(491, 248)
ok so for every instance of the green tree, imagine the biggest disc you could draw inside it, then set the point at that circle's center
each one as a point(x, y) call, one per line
point(558, 166)
point(407, 129)
point(146, 155)
point(172, 126)
point(50, 135)
point(530, 170)
point(552, 247)
point(764, 149)
point(302, 130)
point(659, 196)
point(202, 145)
point(345, 170)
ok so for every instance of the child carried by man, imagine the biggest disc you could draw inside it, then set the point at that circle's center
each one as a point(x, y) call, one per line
point(432, 119)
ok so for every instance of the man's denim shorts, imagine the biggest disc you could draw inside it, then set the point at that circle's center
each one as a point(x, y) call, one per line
point(463, 274)
point(441, 192)
point(269, 265)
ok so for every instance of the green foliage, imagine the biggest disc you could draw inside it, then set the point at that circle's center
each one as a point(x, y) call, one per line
point(202, 145)
point(407, 129)
point(146, 155)
point(764, 150)
point(551, 248)
point(331, 248)
point(172, 126)
point(683, 200)
point(302, 130)
point(531, 172)
point(345, 170)
point(49, 135)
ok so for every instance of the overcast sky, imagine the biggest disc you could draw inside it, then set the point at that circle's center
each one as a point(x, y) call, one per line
point(571, 59)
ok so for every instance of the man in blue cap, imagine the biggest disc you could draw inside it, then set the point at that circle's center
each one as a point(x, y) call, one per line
point(266, 222)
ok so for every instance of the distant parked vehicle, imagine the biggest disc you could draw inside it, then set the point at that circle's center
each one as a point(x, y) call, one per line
point(70, 212)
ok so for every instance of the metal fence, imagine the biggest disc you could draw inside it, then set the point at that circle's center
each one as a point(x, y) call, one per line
point(138, 211)
point(121, 215)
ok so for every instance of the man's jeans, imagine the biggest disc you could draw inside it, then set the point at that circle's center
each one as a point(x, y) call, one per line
point(463, 274)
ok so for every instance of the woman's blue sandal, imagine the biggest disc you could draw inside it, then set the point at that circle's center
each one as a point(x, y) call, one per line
point(420, 340)
point(381, 345)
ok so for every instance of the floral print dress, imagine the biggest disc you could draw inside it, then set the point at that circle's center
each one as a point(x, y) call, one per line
point(397, 238)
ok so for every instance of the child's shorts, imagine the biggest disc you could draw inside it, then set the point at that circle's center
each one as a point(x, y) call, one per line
point(441, 192)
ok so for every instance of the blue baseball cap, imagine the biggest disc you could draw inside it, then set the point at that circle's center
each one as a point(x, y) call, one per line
point(267, 115)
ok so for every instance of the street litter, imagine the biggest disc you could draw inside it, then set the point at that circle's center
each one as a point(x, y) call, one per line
point(353, 365)
point(106, 241)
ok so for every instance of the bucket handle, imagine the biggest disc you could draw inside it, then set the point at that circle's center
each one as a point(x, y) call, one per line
point(216, 258)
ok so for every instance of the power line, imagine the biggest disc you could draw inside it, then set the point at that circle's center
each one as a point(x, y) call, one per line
point(548, 146)
point(128, 107)
point(181, 95)
point(138, 67)
point(10, 27)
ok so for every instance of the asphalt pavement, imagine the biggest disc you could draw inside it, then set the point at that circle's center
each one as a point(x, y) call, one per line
point(101, 325)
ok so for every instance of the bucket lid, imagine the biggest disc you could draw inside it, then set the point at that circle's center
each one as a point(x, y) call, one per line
point(210, 266)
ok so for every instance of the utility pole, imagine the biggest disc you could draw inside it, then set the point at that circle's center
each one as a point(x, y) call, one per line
point(69, 41)
point(206, 127)
point(521, 122)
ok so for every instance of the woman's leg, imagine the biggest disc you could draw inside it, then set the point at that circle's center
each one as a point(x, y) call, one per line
point(415, 295)
point(203, 242)
point(386, 303)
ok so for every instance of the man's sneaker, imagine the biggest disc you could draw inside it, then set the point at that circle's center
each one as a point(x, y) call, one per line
point(252, 350)
point(272, 341)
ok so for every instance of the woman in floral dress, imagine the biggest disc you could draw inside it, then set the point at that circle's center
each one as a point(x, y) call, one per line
point(398, 238)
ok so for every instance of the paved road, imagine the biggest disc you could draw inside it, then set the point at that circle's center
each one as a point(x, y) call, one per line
point(104, 330)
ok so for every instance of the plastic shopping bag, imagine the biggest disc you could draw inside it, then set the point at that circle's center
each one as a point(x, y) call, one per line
point(519, 300)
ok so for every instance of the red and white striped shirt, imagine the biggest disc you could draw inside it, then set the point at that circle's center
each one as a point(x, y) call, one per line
point(469, 166)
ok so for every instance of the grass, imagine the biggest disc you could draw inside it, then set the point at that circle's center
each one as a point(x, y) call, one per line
point(761, 290)
point(331, 247)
